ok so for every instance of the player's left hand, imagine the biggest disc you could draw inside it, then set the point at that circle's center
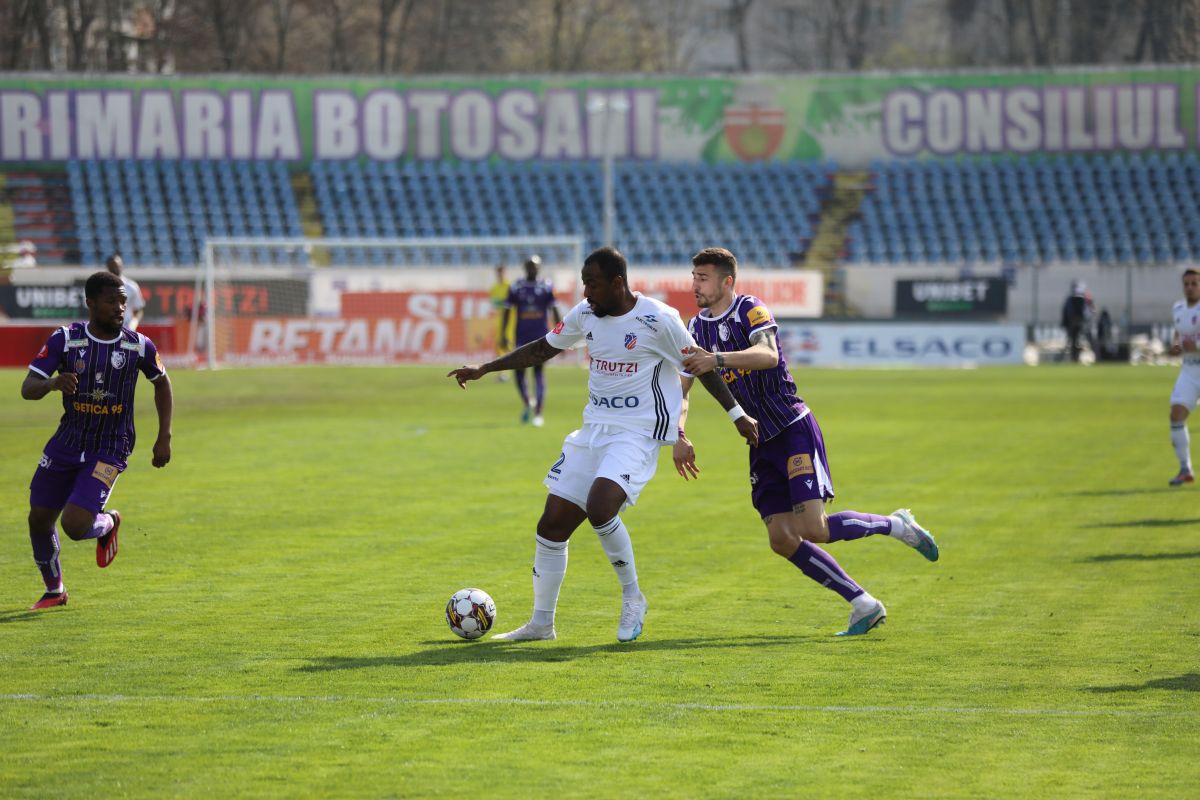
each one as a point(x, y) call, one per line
point(699, 361)
point(685, 458)
point(748, 427)
point(162, 452)
point(467, 372)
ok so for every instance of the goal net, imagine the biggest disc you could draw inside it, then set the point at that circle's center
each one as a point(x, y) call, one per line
point(362, 301)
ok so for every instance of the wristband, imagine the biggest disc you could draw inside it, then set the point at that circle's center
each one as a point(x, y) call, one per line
point(720, 360)
point(682, 435)
point(735, 413)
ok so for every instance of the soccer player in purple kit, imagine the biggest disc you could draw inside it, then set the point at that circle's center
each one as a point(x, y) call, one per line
point(789, 473)
point(532, 300)
point(97, 363)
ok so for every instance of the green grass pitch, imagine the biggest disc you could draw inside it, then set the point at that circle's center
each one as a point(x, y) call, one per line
point(273, 624)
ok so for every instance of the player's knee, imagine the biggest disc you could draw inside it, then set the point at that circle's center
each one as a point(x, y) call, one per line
point(41, 520)
point(77, 523)
point(784, 541)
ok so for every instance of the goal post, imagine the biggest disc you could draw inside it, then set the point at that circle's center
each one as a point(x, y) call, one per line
point(307, 300)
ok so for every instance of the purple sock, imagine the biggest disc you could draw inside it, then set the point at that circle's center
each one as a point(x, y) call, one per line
point(521, 387)
point(847, 525)
point(825, 570)
point(45, 555)
point(539, 381)
point(100, 526)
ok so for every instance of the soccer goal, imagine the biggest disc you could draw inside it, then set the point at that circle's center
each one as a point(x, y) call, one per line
point(263, 301)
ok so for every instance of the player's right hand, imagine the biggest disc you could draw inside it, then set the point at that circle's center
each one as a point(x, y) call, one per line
point(467, 372)
point(65, 382)
point(747, 426)
point(685, 458)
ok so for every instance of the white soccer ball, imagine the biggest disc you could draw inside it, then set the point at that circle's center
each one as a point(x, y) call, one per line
point(470, 613)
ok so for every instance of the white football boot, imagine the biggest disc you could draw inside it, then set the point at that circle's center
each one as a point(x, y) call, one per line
point(529, 633)
point(633, 614)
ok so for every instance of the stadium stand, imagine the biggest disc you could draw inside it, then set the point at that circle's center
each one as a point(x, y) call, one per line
point(37, 209)
point(664, 211)
point(1117, 209)
point(159, 212)
point(1140, 208)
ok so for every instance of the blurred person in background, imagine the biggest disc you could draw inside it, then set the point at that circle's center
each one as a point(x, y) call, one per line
point(498, 296)
point(532, 300)
point(135, 304)
point(1078, 311)
point(1186, 315)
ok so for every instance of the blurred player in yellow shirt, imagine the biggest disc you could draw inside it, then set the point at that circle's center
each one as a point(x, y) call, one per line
point(498, 295)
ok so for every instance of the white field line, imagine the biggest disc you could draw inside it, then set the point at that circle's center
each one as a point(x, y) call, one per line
point(596, 704)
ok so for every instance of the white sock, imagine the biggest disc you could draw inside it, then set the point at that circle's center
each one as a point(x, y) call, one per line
point(863, 603)
point(549, 569)
point(614, 538)
point(1182, 442)
point(897, 526)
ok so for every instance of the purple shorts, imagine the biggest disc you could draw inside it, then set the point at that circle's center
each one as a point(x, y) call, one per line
point(62, 478)
point(790, 469)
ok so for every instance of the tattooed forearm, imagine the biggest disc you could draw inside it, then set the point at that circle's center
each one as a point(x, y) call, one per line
point(715, 384)
point(529, 355)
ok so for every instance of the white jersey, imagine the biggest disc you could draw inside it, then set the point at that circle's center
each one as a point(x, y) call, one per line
point(134, 301)
point(1187, 326)
point(635, 364)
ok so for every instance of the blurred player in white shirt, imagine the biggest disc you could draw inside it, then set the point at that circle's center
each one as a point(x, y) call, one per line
point(636, 347)
point(1184, 396)
point(135, 304)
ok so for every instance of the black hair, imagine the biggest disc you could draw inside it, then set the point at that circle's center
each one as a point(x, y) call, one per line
point(98, 282)
point(1190, 271)
point(610, 262)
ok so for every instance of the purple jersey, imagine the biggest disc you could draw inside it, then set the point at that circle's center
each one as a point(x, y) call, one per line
point(98, 418)
point(768, 395)
point(532, 301)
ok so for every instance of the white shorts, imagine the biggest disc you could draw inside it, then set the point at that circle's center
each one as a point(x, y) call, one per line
point(1187, 388)
point(626, 458)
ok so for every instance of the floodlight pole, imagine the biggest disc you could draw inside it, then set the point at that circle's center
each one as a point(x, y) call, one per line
point(606, 104)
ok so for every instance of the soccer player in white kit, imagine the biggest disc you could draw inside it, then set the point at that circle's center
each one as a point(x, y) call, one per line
point(1186, 393)
point(636, 346)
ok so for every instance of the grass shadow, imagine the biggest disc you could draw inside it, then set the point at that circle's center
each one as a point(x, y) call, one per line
point(448, 653)
point(1148, 523)
point(19, 615)
point(1118, 492)
point(1101, 559)
point(1180, 683)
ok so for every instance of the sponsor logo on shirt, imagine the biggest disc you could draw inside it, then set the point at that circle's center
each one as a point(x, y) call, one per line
point(630, 341)
point(800, 464)
point(614, 367)
point(589, 336)
point(98, 408)
point(44, 462)
point(647, 319)
point(600, 401)
point(559, 328)
point(42, 353)
point(758, 315)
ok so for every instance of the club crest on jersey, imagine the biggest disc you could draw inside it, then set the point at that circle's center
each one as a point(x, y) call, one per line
point(723, 332)
point(630, 341)
point(117, 359)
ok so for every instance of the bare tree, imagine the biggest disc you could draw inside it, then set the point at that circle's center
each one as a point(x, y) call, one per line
point(80, 14)
point(281, 17)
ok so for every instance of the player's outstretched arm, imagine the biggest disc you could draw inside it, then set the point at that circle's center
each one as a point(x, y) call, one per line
point(763, 353)
point(35, 387)
point(164, 404)
point(715, 385)
point(529, 355)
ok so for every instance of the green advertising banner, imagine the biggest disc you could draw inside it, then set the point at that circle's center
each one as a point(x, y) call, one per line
point(851, 119)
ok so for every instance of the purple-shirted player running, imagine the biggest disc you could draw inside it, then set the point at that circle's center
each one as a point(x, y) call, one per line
point(532, 299)
point(789, 473)
point(97, 364)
